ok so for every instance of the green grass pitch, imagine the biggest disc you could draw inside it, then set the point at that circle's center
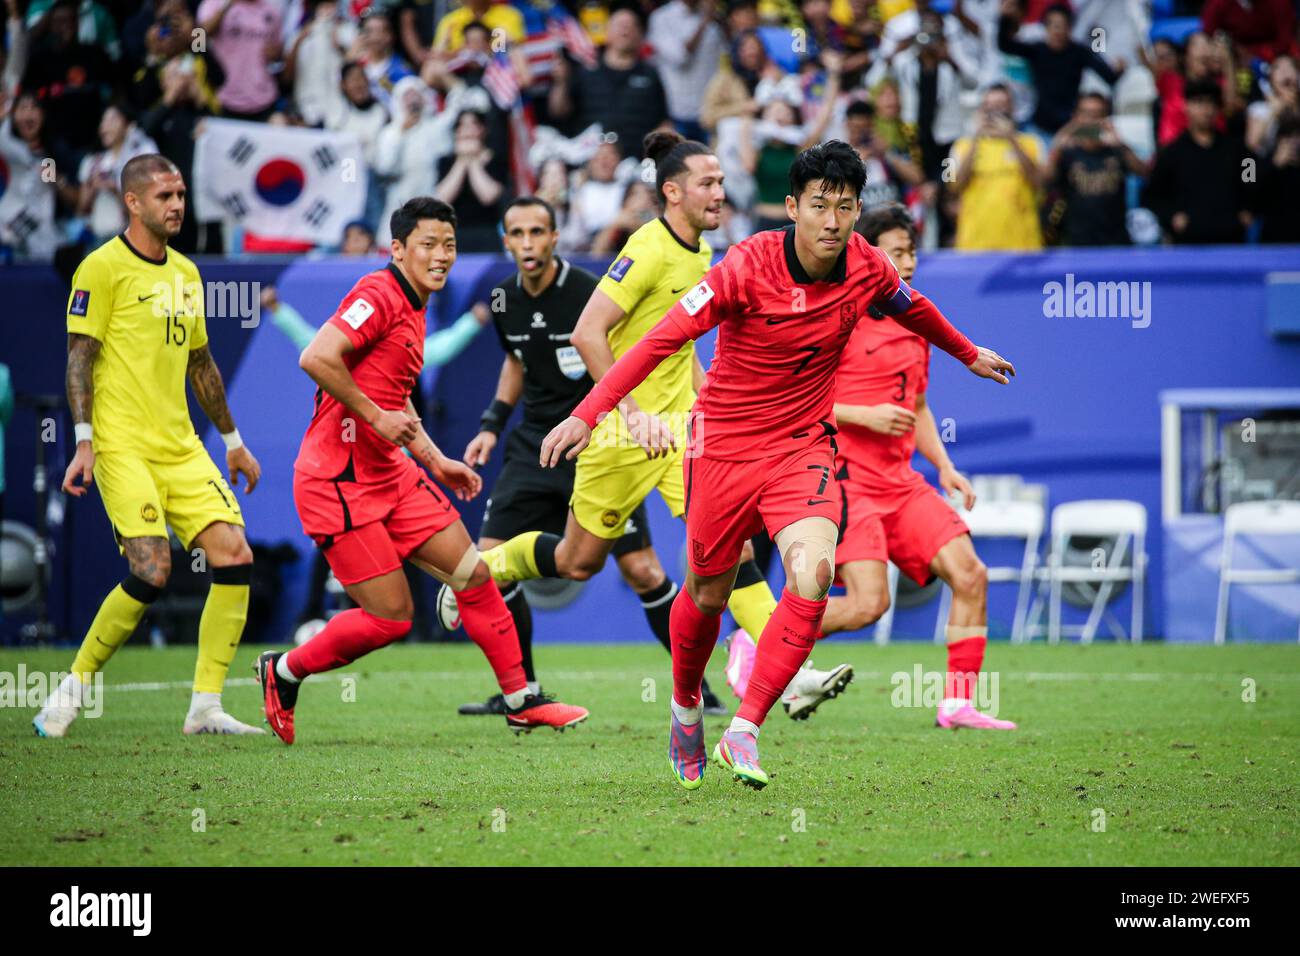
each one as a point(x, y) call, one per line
point(1142, 755)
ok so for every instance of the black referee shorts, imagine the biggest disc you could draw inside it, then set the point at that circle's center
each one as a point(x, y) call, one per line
point(528, 497)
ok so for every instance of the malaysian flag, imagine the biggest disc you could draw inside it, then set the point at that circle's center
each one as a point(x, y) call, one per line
point(561, 24)
point(503, 86)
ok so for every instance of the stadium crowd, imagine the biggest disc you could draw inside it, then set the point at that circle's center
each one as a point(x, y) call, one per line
point(1001, 124)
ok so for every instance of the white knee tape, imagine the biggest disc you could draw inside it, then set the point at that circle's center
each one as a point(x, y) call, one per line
point(459, 579)
point(806, 546)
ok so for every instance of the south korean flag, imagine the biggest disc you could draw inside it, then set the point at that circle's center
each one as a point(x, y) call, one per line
point(280, 182)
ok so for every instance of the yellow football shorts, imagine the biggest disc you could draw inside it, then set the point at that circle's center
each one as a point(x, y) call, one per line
point(613, 476)
point(143, 498)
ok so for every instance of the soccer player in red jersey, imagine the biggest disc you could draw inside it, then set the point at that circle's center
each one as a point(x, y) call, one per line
point(368, 506)
point(761, 450)
point(890, 511)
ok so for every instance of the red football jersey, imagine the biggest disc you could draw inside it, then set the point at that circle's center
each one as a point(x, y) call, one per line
point(770, 388)
point(883, 364)
point(385, 321)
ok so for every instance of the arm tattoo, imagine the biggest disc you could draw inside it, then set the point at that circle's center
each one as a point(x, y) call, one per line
point(205, 379)
point(82, 350)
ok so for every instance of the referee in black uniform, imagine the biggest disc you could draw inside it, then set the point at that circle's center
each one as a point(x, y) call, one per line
point(534, 311)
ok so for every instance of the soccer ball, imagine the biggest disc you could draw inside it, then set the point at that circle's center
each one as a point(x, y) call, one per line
point(307, 631)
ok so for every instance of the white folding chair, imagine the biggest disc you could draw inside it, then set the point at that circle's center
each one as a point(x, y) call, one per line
point(1126, 521)
point(1003, 519)
point(1253, 518)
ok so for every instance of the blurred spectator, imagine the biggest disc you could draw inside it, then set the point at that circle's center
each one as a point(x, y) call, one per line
point(637, 209)
point(860, 39)
point(358, 240)
point(998, 179)
point(688, 46)
point(167, 40)
point(363, 116)
point(891, 171)
point(596, 199)
point(473, 180)
point(1281, 99)
point(244, 36)
point(173, 123)
point(930, 80)
point(622, 92)
point(553, 187)
point(1263, 28)
point(94, 24)
point(731, 90)
point(101, 173)
point(375, 51)
point(72, 78)
point(1057, 63)
point(1204, 61)
point(409, 147)
point(1197, 185)
point(769, 146)
point(315, 61)
point(15, 51)
point(495, 16)
point(36, 177)
point(822, 33)
point(1280, 184)
point(1089, 164)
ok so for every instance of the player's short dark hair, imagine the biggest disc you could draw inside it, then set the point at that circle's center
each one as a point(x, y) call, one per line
point(834, 163)
point(409, 214)
point(530, 201)
point(669, 151)
point(139, 170)
point(884, 218)
point(1203, 90)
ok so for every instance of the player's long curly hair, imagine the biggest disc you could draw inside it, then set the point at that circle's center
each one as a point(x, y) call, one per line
point(669, 152)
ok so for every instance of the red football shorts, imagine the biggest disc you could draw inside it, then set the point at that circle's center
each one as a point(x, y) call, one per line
point(728, 502)
point(908, 527)
point(365, 530)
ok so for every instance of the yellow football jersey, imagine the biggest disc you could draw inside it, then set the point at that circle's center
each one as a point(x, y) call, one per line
point(653, 270)
point(149, 316)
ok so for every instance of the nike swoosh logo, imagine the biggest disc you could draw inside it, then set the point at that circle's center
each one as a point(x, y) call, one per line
point(146, 298)
point(682, 289)
point(783, 318)
point(819, 501)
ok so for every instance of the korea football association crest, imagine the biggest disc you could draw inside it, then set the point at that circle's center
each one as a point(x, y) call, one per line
point(848, 317)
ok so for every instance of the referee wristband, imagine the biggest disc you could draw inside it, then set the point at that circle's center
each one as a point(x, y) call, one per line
point(83, 431)
point(232, 440)
point(495, 418)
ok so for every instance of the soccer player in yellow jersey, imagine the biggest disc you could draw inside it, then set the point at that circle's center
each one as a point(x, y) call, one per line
point(136, 332)
point(630, 453)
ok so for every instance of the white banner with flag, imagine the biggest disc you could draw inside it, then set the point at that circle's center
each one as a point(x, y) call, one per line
point(279, 181)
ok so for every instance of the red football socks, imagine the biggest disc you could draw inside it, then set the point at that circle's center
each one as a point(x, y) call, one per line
point(964, 660)
point(348, 636)
point(488, 623)
point(785, 645)
point(693, 635)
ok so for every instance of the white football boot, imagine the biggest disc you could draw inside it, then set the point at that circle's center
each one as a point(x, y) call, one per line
point(60, 709)
point(810, 687)
point(207, 717)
